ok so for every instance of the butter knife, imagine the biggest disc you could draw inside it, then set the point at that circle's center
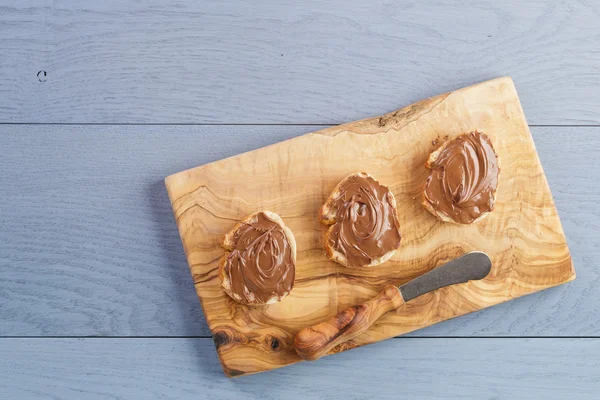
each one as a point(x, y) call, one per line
point(314, 342)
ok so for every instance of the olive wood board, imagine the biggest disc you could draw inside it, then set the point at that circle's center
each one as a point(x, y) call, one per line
point(523, 235)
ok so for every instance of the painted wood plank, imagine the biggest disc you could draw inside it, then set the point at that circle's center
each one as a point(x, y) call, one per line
point(156, 61)
point(188, 369)
point(89, 245)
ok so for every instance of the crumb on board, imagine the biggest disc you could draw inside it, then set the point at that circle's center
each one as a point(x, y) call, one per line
point(437, 140)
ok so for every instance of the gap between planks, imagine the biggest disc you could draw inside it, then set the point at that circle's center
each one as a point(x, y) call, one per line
point(210, 337)
point(238, 124)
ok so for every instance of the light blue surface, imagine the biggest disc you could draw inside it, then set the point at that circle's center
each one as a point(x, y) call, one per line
point(214, 61)
point(88, 245)
point(510, 368)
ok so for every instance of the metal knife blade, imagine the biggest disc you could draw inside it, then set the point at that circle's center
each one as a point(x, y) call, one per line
point(472, 266)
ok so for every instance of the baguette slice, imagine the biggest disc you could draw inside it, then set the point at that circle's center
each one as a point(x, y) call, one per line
point(328, 216)
point(228, 243)
point(439, 214)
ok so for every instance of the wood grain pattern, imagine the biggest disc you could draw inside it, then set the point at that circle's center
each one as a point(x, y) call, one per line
point(152, 61)
point(88, 244)
point(62, 369)
point(523, 236)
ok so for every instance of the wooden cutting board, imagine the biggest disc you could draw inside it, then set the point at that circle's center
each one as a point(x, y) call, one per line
point(523, 235)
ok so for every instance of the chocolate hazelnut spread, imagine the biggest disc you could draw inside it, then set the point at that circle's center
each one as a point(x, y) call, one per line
point(366, 224)
point(261, 264)
point(464, 177)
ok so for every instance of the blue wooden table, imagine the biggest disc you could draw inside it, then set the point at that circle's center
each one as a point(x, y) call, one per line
point(99, 101)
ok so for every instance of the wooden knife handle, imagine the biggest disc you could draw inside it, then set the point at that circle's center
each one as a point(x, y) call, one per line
point(316, 341)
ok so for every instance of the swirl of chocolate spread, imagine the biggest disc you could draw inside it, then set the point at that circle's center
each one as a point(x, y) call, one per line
point(464, 177)
point(261, 262)
point(366, 224)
